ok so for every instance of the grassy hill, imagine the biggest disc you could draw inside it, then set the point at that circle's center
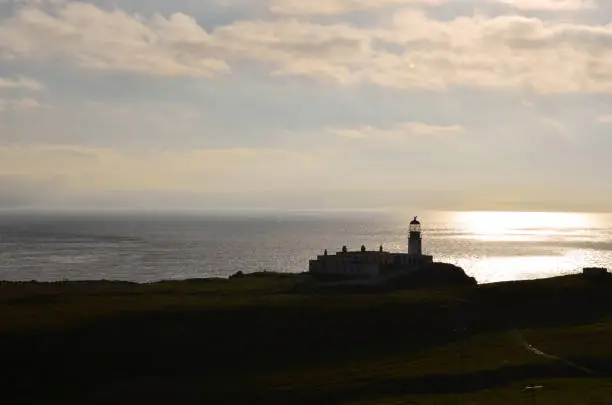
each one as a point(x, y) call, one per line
point(258, 339)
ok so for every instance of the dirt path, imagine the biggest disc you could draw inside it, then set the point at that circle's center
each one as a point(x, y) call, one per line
point(540, 353)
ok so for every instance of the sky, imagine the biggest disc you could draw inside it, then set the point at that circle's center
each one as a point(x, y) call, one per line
point(293, 104)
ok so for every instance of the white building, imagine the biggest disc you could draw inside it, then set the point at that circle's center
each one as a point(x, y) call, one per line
point(364, 263)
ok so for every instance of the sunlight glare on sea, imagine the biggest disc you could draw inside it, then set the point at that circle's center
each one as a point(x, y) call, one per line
point(524, 245)
point(500, 226)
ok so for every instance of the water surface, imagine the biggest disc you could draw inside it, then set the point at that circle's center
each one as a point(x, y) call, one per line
point(150, 247)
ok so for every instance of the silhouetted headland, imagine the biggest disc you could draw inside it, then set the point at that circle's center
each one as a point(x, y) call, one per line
point(431, 337)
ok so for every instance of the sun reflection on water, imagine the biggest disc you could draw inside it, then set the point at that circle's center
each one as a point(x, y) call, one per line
point(501, 246)
point(501, 225)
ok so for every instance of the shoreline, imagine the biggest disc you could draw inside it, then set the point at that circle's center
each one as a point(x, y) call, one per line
point(226, 278)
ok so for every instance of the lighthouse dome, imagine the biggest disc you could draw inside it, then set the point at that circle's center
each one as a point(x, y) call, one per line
point(415, 226)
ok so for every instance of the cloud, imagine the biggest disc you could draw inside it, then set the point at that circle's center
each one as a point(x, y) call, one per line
point(197, 170)
point(554, 124)
point(415, 51)
point(173, 46)
point(551, 5)
point(132, 125)
point(69, 176)
point(408, 51)
point(34, 2)
point(18, 104)
point(328, 7)
point(505, 51)
point(605, 119)
point(331, 52)
point(398, 133)
point(20, 82)
point(331, 7)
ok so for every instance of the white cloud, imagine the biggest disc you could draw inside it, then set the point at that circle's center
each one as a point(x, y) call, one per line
point(330, 7)
point(111, 40)
point(605, 119)
point(300, 7)
point(20, 82)
point(198, 170)
point(298, 48)
point(409, 51)
point(18, 104)
point(404, 131)
point(551, 5)
point(502, 52)
point(505, 51)
point(554, 124)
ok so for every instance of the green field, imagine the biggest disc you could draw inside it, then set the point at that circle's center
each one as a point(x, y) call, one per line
point(256, 340)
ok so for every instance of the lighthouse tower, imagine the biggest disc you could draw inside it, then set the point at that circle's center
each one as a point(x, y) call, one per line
point(414, 238)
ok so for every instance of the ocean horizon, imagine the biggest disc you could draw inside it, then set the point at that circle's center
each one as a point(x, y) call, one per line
point(153, 246)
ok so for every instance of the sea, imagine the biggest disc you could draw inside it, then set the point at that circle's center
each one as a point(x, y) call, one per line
point(152, 246)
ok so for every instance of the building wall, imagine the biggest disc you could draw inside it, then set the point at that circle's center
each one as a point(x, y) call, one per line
point(349, 266)
point(359, 264)
point(595, 272)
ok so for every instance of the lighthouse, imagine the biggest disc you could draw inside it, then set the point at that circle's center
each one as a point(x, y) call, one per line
point(414, 238)
point(368, 264)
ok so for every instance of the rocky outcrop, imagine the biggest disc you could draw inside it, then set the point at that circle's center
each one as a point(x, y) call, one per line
point(431, 275)
point(428, 275)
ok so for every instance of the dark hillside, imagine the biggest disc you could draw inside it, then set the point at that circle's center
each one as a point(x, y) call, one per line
point(253, 339)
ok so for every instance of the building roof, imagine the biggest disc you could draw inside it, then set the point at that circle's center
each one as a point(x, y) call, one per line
point(415, 221)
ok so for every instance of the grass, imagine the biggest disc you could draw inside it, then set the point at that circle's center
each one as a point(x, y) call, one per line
point(592, 340)
point(254, 340)
point(557, 391)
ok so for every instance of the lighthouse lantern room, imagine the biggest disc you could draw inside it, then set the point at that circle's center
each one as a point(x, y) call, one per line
point(414, 238)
